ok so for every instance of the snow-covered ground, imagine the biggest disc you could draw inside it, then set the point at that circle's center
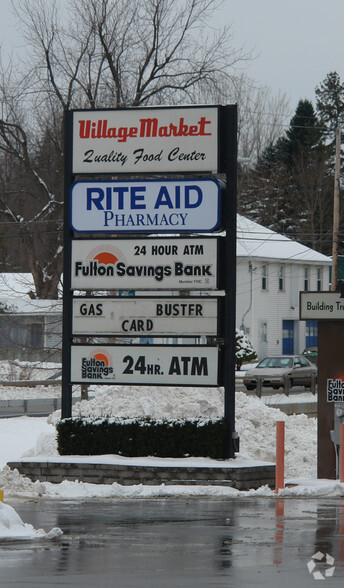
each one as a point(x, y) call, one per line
point(255, 423)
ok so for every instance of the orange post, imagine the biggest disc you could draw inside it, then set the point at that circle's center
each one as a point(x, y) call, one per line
point(279, 473)
point(341, 453)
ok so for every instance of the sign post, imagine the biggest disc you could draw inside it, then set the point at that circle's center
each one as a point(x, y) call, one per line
point(328, 309)
point(131, 249)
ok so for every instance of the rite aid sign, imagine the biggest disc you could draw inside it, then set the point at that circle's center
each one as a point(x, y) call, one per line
point(145, 206)
point(145, 140)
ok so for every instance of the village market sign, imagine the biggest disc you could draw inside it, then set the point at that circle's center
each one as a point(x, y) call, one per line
point(150, 140)
point(145, 206)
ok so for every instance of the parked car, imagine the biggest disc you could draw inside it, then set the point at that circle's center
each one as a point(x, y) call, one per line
point(312, 354)
point(274, 371)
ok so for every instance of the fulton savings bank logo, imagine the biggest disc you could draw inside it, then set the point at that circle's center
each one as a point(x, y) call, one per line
point(98, 365)
point(100, 261)
point(108, 261)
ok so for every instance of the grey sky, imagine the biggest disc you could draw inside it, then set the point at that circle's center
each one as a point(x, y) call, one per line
point(297, 42)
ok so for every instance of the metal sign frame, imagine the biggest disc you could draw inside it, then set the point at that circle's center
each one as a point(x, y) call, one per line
point(222, 160)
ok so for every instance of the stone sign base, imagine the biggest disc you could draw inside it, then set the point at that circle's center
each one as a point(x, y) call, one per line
point(241, 478)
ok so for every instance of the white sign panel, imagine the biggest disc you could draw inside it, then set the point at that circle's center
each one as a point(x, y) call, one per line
point(145, 140)
point(145, 365)
point(335, 390)
point(145, 206)
point(321, 305)
point(144, 264)
point(145, 316)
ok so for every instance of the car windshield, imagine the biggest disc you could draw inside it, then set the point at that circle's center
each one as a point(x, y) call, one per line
point(276, 362)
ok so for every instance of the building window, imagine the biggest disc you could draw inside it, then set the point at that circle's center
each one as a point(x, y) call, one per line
point(311, 333)
point(319, 279)
point(264, 277)
point(281, 278)
point(306, 279)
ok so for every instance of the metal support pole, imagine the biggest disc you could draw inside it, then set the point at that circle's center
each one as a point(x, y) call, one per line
point(259, 386)
point(335, 230)
point(66, 402)
point(229, 134)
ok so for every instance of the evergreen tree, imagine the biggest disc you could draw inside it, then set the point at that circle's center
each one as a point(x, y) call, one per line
point(304, 133)
point(330, 101)
point(244, 351)
point(290, 191)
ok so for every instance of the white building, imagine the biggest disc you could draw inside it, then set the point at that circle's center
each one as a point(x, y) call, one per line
point(272, 270)
point(30, 329)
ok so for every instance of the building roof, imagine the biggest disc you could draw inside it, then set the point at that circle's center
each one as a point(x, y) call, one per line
point(15, 290)
point(254, 240)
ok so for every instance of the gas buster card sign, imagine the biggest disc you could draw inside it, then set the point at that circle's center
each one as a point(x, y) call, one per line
point(145, 316)
point(148, 365)
point(145, 264)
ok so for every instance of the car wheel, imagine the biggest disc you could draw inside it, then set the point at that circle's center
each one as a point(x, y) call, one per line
point(275, 387)
point(249, 387)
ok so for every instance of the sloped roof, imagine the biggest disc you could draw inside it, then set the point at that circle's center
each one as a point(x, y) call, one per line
point(254, 240)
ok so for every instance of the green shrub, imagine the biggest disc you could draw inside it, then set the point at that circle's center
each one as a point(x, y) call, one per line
point(143, 437)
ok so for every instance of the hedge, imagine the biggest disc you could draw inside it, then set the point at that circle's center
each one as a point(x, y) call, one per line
point(143, 437)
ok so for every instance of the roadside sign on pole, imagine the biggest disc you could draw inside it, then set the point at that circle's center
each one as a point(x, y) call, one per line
point(139, 206)
point(145, 316)
point(321, 306)
point(152, 365)
point(145, 264)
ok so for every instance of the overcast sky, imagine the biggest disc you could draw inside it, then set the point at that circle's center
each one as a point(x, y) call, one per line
point(297, 42)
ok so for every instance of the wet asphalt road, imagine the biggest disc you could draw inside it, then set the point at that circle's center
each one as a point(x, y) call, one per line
point(177, 542)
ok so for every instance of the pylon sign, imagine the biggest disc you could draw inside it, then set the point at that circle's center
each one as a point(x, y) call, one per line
point(153, 173)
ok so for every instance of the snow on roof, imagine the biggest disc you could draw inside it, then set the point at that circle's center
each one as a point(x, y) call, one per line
point(15, 289)
point(254, 240)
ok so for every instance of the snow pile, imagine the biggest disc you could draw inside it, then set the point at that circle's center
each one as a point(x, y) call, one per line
point(256, 425)
point(255, 421)
point(27, 370)
point(155, 402)
point(12, 526)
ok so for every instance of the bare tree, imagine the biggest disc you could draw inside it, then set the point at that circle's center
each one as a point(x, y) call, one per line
point(96, 53)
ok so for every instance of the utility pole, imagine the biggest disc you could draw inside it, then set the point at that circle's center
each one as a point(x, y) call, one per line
point(335, 231)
